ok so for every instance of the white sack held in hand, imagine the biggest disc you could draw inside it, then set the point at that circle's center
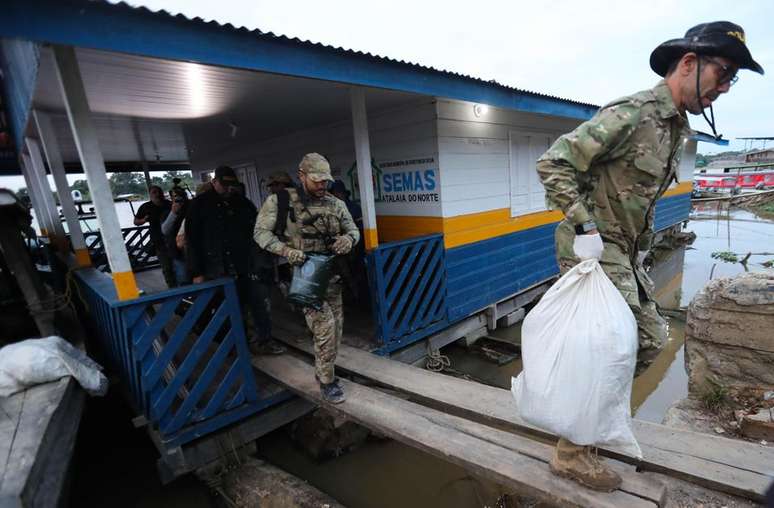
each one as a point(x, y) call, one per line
point(36, 361)
point(579, 349)
point(588, 246)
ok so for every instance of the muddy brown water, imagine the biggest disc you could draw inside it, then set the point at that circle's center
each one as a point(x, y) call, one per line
point(115, 463)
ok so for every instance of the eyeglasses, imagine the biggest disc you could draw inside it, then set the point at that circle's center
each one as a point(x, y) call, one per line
point(727, 72)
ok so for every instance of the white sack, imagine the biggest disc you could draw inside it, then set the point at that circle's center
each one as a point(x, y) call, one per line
point(579, 349)
point(36, 361)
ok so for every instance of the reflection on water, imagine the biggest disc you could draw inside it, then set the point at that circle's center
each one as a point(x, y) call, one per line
point(383, 474)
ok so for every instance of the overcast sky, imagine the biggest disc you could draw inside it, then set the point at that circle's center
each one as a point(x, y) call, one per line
point(591, 51)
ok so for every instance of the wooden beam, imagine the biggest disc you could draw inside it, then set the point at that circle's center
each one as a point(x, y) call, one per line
point(364, 174)
point(50, 145)
point(41, 215)
point(37, 442)
point(85, 135)
point(734, 467)
point(38, 174)
point(502, 457)
point(20, 265)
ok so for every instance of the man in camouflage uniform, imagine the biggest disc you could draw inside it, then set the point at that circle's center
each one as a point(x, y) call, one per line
point(607, 175)
point(317, 222)
point(277, 181)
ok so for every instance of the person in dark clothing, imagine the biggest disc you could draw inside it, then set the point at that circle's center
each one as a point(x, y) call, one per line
point(219, 225)
point(340, 190)
point(153, 213)
point(357, 279)
point(170, 228)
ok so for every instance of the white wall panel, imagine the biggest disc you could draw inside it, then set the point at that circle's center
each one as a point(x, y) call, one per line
point(476, 157)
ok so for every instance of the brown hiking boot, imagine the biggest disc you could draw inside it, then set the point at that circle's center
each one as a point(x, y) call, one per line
point(578, 463)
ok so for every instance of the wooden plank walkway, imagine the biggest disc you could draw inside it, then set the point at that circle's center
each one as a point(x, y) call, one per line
point(731, 466)
point(509, 459)
point(38, 427)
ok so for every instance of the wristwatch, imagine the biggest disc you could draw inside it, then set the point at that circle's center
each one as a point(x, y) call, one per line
point(582, 229)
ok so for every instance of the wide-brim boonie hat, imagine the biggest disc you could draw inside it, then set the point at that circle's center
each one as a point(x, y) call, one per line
point(718, 38)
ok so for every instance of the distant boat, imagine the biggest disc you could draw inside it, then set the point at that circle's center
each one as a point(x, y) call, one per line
point(735, 178)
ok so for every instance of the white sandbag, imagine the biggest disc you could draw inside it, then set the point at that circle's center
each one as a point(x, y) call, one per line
point(36, 361)
point(579, 349)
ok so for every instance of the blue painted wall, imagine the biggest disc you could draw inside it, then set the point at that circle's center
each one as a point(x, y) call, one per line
point(482, 273)
point(671, 210)
point(485, 272)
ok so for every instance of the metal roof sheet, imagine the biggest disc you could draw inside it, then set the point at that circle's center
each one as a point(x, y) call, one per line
point(348, 51)
point(139, 30)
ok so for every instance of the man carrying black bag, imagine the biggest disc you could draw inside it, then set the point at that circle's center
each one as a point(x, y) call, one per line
point(316, 222)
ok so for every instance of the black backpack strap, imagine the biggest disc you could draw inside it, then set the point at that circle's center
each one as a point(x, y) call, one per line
point(283, 207)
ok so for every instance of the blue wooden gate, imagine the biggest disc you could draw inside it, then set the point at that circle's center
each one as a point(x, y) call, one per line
point(181, 353)
point(408, 284)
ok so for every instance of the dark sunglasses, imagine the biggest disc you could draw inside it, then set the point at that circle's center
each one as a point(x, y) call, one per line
point(727, 73)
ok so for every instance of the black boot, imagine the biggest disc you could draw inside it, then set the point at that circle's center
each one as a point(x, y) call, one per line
point(333, 392)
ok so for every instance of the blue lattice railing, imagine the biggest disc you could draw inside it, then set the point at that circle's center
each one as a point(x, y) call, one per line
point(138, 245)
point(408, 282)
point(181, 353)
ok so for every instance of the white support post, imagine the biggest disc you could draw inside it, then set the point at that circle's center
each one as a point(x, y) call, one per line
point(38, 174)
point(79, 115)
point(50, 145)
point(41, 215)
point(363, 158)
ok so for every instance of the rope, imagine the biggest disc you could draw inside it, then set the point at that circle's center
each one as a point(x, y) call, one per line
point(436, 362)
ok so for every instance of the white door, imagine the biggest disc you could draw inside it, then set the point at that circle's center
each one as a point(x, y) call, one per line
point(527, 193)
point(247, 175)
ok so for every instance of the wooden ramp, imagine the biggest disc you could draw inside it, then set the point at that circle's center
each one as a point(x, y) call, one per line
point(731, 466)
point(501, 456)
point(38, 428)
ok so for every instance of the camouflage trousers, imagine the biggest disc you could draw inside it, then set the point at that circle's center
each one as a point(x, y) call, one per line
point(632, 281)
point(326, 325)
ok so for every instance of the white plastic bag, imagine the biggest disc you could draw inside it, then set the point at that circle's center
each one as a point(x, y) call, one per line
point(579, 349)
point(36, 361)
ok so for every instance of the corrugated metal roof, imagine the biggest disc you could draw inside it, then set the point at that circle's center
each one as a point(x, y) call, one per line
point(122, 28)
point(352, 52)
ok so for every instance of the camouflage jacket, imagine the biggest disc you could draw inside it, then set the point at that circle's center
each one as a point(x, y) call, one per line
point(311, 226)
point(612, 168)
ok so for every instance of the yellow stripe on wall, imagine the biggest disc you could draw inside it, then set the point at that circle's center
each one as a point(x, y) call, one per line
point(462, 229)
point(392, 228)
point(475, 227)
point(680, 188)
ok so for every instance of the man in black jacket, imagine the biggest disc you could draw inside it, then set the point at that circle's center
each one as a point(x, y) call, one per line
point(219, 243)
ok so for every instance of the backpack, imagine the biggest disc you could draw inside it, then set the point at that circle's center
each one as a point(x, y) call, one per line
point(264, 260)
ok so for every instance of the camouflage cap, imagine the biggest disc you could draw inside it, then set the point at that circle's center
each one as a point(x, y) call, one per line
point(316, 167)
point(279, 177)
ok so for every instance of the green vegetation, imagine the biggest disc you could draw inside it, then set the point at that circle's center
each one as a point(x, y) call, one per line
point(134, 183)
point(714, 396)
point(128, 183)
point(725, 256)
